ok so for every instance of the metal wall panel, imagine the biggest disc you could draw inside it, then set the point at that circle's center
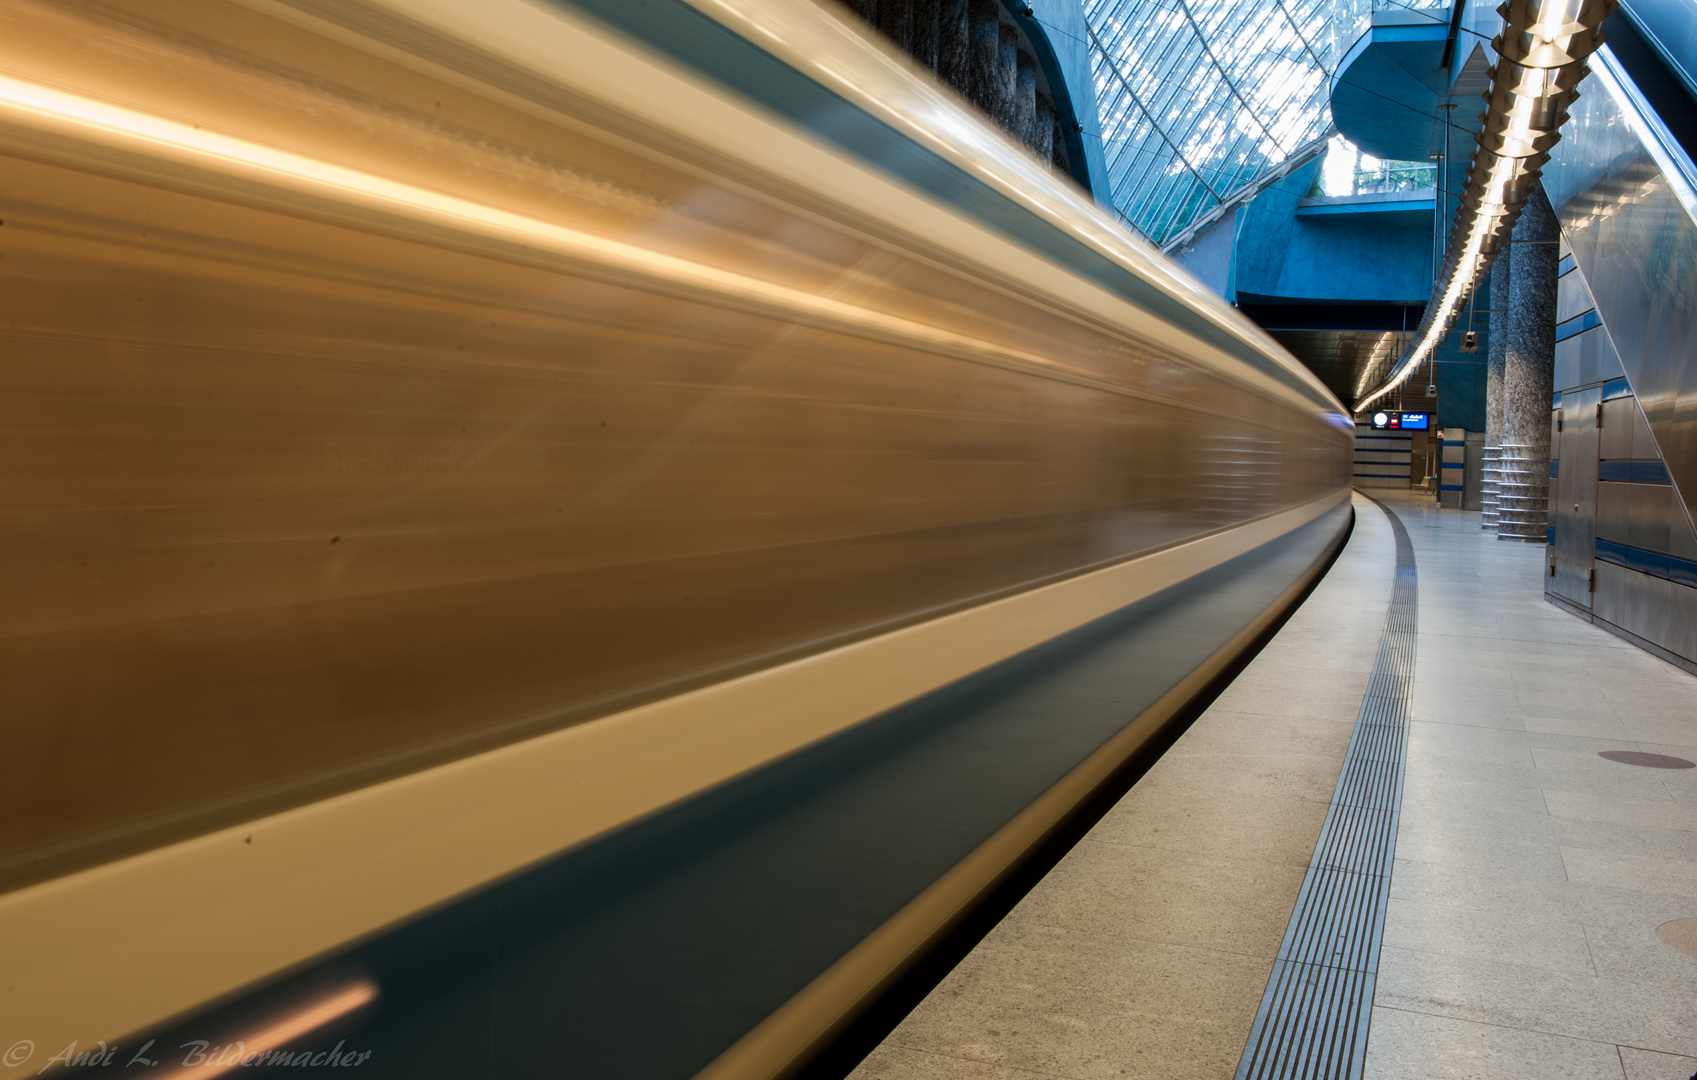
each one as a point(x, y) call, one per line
point(1614, 442)
point(1681, 621)
point(1555, 466)
point(1572, 297)
point(1574, 496)
point(1614, 512)
point(1609, 601)
point(1650, 506)
point(1682, 538)
point(1585, 358)
point(1646, 606)
point(1643, 441)
point(1625, 201)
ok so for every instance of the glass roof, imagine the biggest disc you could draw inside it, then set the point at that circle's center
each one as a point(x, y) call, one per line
point(1200, 97)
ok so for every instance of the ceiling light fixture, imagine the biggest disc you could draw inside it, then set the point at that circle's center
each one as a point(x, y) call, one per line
point(1540, 62)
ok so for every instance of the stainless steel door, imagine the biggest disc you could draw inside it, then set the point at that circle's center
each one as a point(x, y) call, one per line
point(1575, 485)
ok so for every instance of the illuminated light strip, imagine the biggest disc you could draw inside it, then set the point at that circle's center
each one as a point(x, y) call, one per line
point(1553, 33)
point(23, 101)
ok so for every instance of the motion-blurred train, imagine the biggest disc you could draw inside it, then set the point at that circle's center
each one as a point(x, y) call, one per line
point(571, 537)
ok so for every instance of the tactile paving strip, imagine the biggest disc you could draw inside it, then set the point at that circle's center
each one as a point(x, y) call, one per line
point(1312, 1023)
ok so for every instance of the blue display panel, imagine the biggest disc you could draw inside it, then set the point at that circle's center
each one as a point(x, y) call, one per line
point(1398, 421)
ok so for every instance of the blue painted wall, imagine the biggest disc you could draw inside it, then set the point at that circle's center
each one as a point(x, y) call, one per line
point(1377, 257)
point(1370, 253)
point(1461, 376)
point(1209, 256)
point(1264, 232)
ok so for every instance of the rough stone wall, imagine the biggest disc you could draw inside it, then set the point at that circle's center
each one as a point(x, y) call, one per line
point(1006, 111)
point(895, 19)
point(925, 27)
point(984, 54)
point(953, 54)
point(1025, 99)
point(968, 45)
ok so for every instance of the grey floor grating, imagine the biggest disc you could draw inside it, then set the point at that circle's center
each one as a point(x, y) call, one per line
point(1312, 1023)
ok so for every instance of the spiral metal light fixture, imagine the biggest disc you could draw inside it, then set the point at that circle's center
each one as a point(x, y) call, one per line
point(1540, 61)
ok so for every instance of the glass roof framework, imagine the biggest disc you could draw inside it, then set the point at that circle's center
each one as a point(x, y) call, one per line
point(1200, 97)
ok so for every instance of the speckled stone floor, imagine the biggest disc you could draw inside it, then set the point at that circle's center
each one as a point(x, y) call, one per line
point(1532, 874)
point(1531, 879)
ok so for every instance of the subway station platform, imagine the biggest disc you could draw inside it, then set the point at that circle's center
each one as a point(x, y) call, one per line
point(1540, 918)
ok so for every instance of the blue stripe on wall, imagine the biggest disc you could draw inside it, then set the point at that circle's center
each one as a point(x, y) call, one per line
point(1633, 472)
point(1654, 563)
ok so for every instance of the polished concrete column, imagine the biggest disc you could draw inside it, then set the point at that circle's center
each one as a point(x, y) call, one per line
point(1495, 346)
point(925, 33)
point(984, 54)
point(1528, 372)
point(1025, 98)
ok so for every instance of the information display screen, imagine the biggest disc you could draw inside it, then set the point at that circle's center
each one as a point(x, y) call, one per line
point(1397, 421)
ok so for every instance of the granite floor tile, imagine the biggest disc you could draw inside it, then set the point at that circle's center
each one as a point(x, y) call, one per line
point(1301, 733)
point(1417, 1046)
point(1632, 952)
point(1141, 1008)
point(1649, 1065)
point(1208, 821)
point(1534, 889)
point(1594, 866)
point(1505, 937)
point(1475, 741)
point(1500, 794)
point(892, 1062)
point(1231, 905)
point(1619, 1011)
point(1652, 813)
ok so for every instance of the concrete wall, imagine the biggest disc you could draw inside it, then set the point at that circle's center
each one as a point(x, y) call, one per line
point(1209, 255)
point(1377, 257)
point(1263, 234)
